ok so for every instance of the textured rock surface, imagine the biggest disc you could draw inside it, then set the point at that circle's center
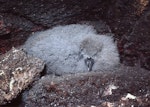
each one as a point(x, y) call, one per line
point(66, 49)
point(129, 22)
point(140, 39)
point(17, 71)
point(126, 87)
point(19, 18)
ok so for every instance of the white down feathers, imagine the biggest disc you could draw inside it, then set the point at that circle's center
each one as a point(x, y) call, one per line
point(65, 48)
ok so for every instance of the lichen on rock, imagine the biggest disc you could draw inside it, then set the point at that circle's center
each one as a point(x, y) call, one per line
point(17, 71)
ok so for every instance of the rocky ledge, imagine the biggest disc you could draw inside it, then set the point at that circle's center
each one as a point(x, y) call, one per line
point(17, 71)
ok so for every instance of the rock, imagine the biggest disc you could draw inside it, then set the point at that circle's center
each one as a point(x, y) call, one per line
point(129, 20)
point(17, 72)
point(125, 18)
point(91, 89)
point(140, 38)
point(10, 22)
point(19, 18)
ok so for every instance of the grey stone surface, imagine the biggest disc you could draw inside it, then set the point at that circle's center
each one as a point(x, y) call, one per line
point(17, 72)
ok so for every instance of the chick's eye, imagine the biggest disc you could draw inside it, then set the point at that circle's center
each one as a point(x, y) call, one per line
point(81, 56)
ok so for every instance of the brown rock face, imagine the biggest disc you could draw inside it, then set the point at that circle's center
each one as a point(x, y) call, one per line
point(129, 21)
point(17, 71)
point(125, 87)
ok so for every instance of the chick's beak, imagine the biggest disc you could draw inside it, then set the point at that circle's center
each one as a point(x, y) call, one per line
point(89, 62)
